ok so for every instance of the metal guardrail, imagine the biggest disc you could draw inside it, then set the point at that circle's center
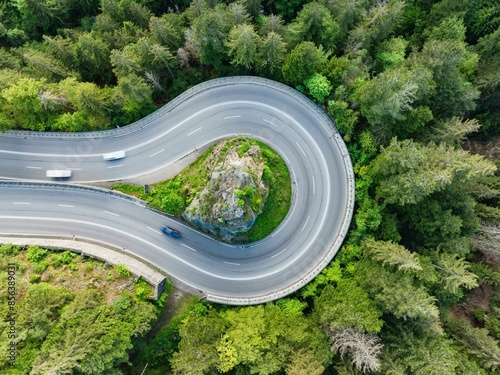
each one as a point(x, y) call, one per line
point(86, 188)
point(220, 82)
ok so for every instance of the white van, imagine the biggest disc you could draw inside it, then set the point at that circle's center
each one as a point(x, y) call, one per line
point(114, 155)
point(58, 173)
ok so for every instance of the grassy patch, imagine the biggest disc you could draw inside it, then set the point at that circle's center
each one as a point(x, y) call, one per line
point(71, 270)
point(173, 196)
point(276, 175)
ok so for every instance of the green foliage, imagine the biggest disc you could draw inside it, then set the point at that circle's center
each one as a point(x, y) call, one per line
point(344, 118)
point(389, 253)
point(319, 87)
point(34, 278)
point(243, 44)
point(454, 131)
point(412, 172)
point(9, 249)
point(314, 23)
point(456, 273)
point(347, 305)
point(451, 65)
point(262, 338)
point(197, 348)
point(172, 201)
point(391, 53)
point(272, 52)
point(142, 290)
point(302, 62)
point(91, 337)
point(122, 270)
point(210, 35)
point(421, 354)
point(35, 253)
point(391, 102)
point(399, 293)
point(377, 24)
point(417, 69)
point(477, 341)
point(40, 266)
point(66, 257)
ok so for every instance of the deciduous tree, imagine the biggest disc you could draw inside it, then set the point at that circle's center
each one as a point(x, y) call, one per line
point(319, 87)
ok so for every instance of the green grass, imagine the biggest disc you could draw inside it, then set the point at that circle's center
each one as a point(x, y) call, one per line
point(173, 196)
point(280, 193)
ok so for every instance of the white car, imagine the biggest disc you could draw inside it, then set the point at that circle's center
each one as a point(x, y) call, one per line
point(114, 155)
point(58, 173)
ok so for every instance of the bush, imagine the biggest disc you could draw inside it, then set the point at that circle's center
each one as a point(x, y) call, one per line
point(65, 257)
point(41, 266)
point(34, 278)
point(36, 253)
point(9, 249)
point(121, 270)
point(142, 290)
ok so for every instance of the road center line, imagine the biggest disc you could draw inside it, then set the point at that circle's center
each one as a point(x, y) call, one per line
point(21, 203)
point(301, 149)
point(111, 213)
point(190, 248)
point(154, 230)
point(194, 131)
point(230, 117)
point(281, 252)
point(156, 153)
point(270, 122)
point(306, 223)
point(65, 205)
point(30, 167)
point(234, 264)
point(314, 186)
point(115, 166)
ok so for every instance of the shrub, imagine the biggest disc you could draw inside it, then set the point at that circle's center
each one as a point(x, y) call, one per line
point(36, 253)
point(142, 290)
point(34, 278)
point(41, 266)
point(9, 249)
point(121, 270)
point(65, 257)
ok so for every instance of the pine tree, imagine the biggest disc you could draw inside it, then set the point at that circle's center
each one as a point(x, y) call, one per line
point(387, 252)
point(477, 341)
point(243, 45)
point(272, 52)
point(409, 172)
point(455, 273)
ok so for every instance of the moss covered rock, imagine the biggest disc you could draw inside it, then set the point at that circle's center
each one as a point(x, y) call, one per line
point(236, 193)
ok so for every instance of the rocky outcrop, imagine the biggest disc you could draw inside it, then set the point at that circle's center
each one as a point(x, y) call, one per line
point(235, 195)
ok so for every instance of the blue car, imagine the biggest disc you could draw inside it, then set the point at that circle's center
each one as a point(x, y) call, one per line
point(171, 232)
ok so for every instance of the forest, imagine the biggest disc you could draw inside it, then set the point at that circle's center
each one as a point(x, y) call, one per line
point(411, 85)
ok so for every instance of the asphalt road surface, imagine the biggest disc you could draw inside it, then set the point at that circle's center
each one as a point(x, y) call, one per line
point(306, 241)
